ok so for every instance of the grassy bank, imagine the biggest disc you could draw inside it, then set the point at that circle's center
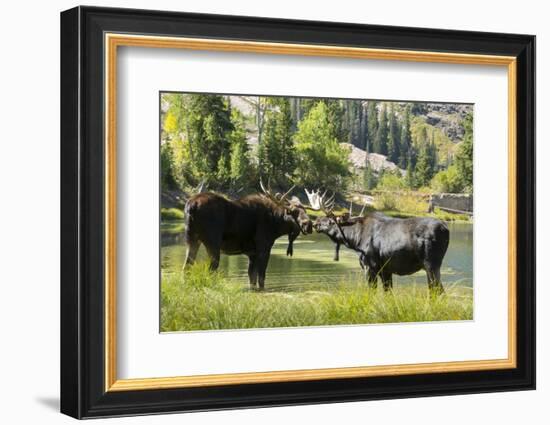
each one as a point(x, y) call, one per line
point(406, 205)
point(201, 300)
point(171, 214)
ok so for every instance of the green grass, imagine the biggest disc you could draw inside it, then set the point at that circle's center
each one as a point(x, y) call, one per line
point(171, 214)
point(405, 205)
point(200, 300)
point(448, 216)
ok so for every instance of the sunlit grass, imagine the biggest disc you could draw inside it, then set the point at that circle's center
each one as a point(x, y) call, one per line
point(201, 300)
point(171, 214)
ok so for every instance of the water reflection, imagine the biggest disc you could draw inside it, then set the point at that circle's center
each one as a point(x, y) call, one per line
point(312, 266)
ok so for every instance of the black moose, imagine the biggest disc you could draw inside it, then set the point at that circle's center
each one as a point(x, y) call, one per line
point(387, 245)
point(249, 226)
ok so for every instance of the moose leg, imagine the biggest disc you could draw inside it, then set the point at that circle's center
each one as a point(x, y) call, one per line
point(372, 278)
point(370, 274)
point(291, 238)
point(192, 250)
point(337, 252)
point(214, 254)
point(387, 280)
point(213, 244)
point(252, 271)
point(434, 279)
point(262, 261)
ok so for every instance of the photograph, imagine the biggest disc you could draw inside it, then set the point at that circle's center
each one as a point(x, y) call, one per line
point(285, 211)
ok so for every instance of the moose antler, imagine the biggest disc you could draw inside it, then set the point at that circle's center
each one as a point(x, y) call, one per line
point(196, 190)
point(200, 187)
point(278, 198)
point(317, 202)
point(351, 209)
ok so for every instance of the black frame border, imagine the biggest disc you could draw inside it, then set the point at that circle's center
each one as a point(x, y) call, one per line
point(82, 212)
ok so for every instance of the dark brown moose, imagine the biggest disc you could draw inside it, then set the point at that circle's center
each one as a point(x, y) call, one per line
point(249, 226)
point(386, 245)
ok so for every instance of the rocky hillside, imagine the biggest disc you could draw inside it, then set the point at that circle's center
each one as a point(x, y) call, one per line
point(448, 118)
point(377, 161)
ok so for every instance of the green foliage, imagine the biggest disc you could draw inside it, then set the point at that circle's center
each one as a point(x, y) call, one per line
point(171, 214)
point(205, 138)
point(335, 113)
point(175, 117)
point(423, 133)
point(406, 151)
point(321, 161)
point(394, 137)
point(369, 177)
point(381, 139)
point(402, 202)
point(209, 126)
point(372, 125)
point(354, 123)
point(410, 177)
point(241, 171)
point(167, 180)
point(448, 180)
point(424, 168)
point(449, 216)
point(426, 164)
point(464, 157)
point(277, 156)
point(391, 181)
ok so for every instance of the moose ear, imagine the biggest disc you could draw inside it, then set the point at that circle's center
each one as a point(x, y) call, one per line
point(342, 218)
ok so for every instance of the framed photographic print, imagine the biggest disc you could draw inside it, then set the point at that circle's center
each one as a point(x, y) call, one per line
point(261, 212)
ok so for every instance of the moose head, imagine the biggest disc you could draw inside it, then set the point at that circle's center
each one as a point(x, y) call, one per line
point(294, 210)
point(330, 222)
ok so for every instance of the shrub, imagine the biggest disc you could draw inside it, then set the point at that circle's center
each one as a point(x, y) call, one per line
point(402, 202)
point(447, 181)
point(171, 214)
point(391, 181)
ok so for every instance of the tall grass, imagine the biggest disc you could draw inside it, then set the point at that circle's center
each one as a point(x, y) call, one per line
point(171, 214)
point(410, 205)
point(403, 202)
point(201, 300)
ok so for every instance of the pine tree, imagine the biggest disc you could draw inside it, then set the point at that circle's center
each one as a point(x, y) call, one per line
point(240, 164)
point(166, 166)
point(464, 157)
point(406, 140)
point(393, 137)
point(336, 118)
point(369, 178)
point(432, 153)
point(372, 125)
point(277, 154)
point(362, 143)
point(410, 178)
point(424, 166)
point(270, 157)
point(209, 125)
point(381, 140)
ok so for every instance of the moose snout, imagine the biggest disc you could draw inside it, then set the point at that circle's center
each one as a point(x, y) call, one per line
point(307, 227)
point(317, 225)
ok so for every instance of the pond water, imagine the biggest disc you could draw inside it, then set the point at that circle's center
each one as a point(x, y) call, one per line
point(312, 265)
